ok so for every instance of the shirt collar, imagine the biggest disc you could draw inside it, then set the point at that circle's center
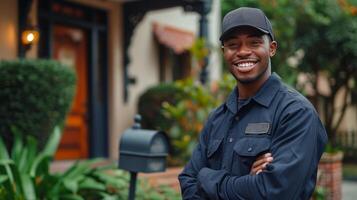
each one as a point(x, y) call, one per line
point(264, 96)
point(232, 101)
point(267, 92)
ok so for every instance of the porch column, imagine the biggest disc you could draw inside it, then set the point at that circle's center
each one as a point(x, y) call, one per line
point(203, 33)
point(23, 9)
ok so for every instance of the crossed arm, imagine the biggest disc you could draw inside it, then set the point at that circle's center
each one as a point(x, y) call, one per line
point(296, 149)
point(261, 163)
point(195, 190)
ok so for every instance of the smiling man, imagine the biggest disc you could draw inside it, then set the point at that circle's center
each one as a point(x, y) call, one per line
point(261, 119)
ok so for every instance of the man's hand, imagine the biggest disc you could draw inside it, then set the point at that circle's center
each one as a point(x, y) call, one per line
point(261, 163)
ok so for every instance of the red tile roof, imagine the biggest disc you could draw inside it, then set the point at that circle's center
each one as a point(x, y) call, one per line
point(177, 39)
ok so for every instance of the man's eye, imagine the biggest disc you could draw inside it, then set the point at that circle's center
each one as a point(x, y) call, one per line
point(232, 46)
point(255, 43)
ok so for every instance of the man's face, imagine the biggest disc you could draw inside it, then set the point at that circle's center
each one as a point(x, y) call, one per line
point(247, 52)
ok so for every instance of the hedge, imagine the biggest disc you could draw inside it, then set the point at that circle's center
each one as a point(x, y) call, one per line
point(150, 105)
point(35, 96)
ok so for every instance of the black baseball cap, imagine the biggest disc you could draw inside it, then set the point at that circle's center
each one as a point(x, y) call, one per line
point(246, 16)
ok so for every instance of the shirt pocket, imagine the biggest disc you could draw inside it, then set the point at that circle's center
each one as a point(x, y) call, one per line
point(246, 151)
point(214, 153)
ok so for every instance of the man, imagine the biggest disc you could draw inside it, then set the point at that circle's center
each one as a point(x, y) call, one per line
point(261, 118)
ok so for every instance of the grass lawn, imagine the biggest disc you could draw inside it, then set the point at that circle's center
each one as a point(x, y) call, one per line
point(350, 171)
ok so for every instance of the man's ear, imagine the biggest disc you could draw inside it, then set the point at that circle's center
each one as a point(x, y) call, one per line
point(272, 48)
point(222, 49)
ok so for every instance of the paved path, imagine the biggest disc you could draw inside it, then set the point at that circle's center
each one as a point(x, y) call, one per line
point(349, 190)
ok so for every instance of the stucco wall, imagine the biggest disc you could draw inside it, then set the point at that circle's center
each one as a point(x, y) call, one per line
point(144, 59)
point(8, 27)
point(144, 56)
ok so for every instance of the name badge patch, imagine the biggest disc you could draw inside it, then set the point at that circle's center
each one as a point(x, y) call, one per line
point(257, 128)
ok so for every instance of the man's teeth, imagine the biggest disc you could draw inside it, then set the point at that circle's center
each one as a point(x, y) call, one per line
point(245, 64)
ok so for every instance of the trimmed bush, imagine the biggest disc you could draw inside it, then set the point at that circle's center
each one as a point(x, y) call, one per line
point(35, 96)
point(150, 105)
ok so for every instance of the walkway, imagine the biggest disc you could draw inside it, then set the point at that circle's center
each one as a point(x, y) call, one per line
point(349, 190)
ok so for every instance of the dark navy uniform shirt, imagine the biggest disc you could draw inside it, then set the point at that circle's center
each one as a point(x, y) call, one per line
point(278, 120)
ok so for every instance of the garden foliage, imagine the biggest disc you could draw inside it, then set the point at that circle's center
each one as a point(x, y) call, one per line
point(24, 174)
point(190, 113)
point(35, 96)
point(149, 106)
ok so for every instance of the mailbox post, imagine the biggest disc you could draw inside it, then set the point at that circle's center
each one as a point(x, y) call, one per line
point(142, 151)
point(132, 185)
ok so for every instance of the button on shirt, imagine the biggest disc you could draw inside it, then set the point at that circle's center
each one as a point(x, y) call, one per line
point(278, 120)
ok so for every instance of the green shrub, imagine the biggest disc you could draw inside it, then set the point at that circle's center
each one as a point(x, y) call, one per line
point(24, 174)
point(181, 109)
point(35, 96)
point(190, 113)
point(150, 103)
point(319, 193)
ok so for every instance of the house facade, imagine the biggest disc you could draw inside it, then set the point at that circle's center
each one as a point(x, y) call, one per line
point(118, 48)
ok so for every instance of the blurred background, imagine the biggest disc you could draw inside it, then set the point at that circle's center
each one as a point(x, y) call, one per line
point(162, 59)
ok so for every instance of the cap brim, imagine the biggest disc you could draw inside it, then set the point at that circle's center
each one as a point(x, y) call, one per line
point(227, 32)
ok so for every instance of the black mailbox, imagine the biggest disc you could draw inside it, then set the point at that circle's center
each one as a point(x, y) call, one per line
point(143, 150)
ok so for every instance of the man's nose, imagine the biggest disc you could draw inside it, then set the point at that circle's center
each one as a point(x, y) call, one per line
point(243, 51)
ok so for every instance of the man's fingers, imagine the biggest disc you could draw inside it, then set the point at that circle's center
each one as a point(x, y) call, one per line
point(266, 158)
point(259, 168)
point(260, 164)
point(262, 161)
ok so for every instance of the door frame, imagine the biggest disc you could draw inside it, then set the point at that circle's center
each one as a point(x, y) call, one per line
point(97, 73)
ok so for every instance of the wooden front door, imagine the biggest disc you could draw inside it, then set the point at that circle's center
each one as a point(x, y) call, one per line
point(70, 48)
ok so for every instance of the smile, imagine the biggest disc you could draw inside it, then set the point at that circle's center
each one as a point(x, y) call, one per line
point(244, 66)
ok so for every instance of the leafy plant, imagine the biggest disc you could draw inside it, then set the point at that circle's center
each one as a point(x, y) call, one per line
point(35, 96)
point(199, 50)
point(190, 113)
point(23, 168)
point(328, 38)
point(24, 174)
point(319, 193)
point(150, 102)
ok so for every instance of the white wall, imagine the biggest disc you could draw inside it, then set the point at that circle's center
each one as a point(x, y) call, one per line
point(215, 63)
point(143, 53)
point(144, 60)
point(8, 29)
point(351, 119)
point(143, 43)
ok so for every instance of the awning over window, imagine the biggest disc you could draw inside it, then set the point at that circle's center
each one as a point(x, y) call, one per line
point(174, 38)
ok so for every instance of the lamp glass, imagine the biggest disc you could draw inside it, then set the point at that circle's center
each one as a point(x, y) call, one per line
point(30, 36)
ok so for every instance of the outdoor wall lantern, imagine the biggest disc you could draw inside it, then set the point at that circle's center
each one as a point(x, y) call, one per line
point(142, 150)
point(30, 36)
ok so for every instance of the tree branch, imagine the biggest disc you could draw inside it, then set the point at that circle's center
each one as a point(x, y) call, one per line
point(343, 111)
